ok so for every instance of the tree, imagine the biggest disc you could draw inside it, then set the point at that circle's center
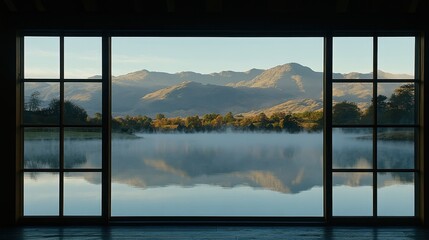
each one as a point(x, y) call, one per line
point(145, 123)
point(229, 119)
point(210, 121)
point(401, 105)
point(193, 124)
point(403, 97)
point(159, 116)
point(34, 102)
point(98, 118)
point(73, 113)
point(382, 108)
point(346, 113)
point(290, 124)
point(277, 116)
point(262, 121)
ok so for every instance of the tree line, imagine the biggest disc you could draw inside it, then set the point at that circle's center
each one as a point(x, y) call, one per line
point(215, 122)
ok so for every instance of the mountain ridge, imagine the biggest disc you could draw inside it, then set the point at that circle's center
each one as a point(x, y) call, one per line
point(147, 92)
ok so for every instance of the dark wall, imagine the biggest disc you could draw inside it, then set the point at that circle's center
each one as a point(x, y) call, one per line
point(243, 18)
point(8, 117)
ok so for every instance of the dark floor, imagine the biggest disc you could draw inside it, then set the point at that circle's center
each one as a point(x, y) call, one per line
point(224, 233)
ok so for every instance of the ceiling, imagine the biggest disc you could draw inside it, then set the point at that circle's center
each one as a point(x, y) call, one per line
point(215, 6)
point(261, 14)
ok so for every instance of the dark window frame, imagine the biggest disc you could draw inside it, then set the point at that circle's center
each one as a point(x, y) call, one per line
point(417, 81)
point(61, 170)
point(328, 126)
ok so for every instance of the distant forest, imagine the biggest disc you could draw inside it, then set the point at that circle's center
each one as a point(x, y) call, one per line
point(397, 109)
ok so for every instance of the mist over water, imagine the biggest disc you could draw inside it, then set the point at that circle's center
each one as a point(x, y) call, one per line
point(229, 174)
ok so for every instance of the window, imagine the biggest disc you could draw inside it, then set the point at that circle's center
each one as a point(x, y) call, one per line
point(217, 126)
point(374, 127)
point(120, 127)
point(62, 126)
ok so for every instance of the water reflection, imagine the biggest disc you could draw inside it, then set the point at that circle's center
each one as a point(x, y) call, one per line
point(278, 162)
point(395, 192)
point(352, 194)
point(80, 196)
point(352, 148)
point(389, 141)
point(41, 194)
point(156, 170)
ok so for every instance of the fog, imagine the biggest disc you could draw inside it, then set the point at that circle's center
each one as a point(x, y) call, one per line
point(231, 174)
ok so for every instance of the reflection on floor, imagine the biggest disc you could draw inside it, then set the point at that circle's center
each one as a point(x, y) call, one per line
point(212, 232)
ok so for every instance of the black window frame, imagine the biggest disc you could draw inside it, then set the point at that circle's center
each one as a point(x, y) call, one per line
point(328, 171)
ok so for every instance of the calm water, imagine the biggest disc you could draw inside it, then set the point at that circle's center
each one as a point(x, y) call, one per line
point(221, 174)
point(218, 174)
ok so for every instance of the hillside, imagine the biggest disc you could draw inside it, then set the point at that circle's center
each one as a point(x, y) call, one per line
point(191, 98)
point(289, 87)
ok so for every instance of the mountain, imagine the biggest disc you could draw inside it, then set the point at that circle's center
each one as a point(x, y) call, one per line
point(192, 98)
point(160, 79)
point(293, 78)
point(380, 75)
point(290, 106)
point(289, 87)
point(386, 75)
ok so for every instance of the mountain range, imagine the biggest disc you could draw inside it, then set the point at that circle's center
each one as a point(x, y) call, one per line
point(289, 87)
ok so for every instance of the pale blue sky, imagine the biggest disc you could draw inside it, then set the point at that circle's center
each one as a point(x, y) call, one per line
point(395, 54)
point(213, 54)
point(208, 55)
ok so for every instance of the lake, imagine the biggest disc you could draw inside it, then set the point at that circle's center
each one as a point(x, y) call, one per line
point(222, 174)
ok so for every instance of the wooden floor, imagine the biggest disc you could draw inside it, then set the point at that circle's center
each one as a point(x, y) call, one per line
point(212, 232)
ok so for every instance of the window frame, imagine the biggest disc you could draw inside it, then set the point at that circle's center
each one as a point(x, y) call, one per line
point(62, 170)
point(374, 170)
point(328, 171)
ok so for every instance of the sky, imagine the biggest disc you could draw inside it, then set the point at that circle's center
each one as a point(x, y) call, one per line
point(209, 55)
point(82, 55)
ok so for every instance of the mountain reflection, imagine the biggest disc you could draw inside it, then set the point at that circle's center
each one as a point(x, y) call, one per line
point(285, 163)
point(267, 161)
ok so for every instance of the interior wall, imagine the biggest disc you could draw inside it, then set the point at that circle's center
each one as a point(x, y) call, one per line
point(171, 24)
point(8, 117)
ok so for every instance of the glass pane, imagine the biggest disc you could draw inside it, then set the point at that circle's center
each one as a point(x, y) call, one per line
point(352, 148)
point(82, 57)
point(82, 148)
point(211, 173)
point(41, 103)
point(351, 103)
point(82, 103)
point(396, 57)
point(396, 103)
point(395, 148)
point(352, 194)
point(200, 124)
point(41, 148)
point(82, 194)
point(41, 194)
point(352, 57)
point(395, 194)
point(41, 57)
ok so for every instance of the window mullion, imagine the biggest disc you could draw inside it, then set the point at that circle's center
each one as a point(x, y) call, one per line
point(327, 131)
point(106, 131)
point(61, 173)
point(375, 130)
point(419, 131)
